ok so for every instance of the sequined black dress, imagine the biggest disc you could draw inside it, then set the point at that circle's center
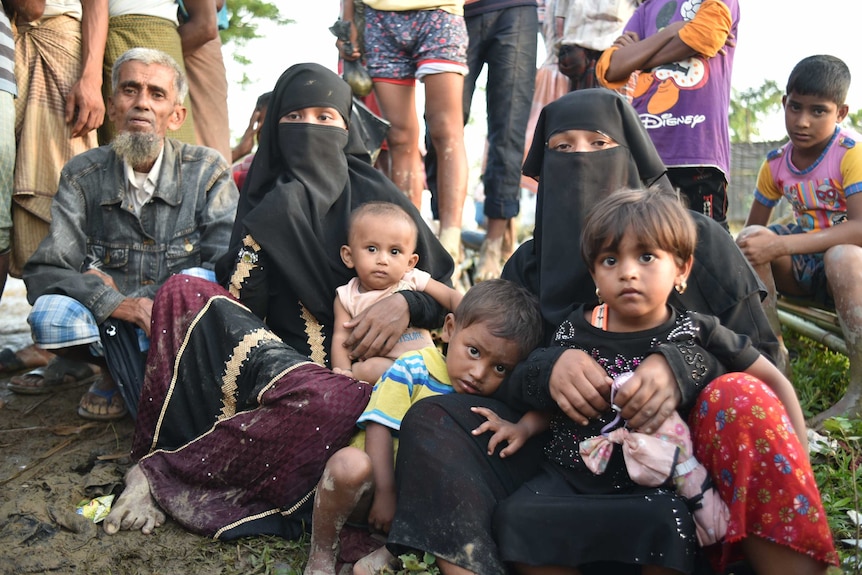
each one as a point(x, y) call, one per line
point(567, 515)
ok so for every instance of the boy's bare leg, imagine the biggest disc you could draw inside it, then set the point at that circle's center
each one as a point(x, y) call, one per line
point(136, 508)
point(768, 558)
point(346, 479)
point(842, 271)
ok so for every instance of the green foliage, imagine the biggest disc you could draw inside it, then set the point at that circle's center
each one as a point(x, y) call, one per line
point(245, 17)
point(748, 108)
point(820, 379)
point(819, 375)
point(410, 564)
point(854, 120)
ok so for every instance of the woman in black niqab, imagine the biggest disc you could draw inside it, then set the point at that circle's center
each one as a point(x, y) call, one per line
point(571, 183)
point(237, 423)
point(442, 467)
point(295, 204)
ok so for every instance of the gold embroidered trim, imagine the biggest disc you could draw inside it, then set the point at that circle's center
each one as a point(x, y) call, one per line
point(179, 358)
point(314, 336)
point(286, 513)
point(278, 376)
point(234, 364)
point(243, 267)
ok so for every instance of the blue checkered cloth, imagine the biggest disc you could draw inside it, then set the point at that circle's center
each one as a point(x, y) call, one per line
point(58, 321)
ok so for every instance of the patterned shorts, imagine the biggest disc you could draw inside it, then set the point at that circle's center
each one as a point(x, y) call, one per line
point(808, 269)
point(401, 46)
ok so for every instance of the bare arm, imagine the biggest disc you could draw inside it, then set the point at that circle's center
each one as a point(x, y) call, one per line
point(443, 294)
point(347, 16)
point(201, 26)
point(763, 246)
point(85, 106)
point(515, 435)
point(136, 310)
point(758, 215)
point(765, 371)
point(246, 143)
point(26, 10)
point(340, 356)
point(634, 54)
point(378, 445)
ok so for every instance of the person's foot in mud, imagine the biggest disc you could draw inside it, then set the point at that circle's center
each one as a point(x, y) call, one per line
point(136, 508)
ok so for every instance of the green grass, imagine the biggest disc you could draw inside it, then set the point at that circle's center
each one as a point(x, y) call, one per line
point(820, 378)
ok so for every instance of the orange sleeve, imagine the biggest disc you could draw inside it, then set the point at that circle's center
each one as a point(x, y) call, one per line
point(707, 32)
point(602, 68)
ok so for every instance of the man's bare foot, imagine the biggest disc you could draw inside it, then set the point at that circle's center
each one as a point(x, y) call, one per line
point(136, 508)
point(375, 562)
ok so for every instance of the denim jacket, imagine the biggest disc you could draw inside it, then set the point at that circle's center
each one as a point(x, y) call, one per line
point(187, 223)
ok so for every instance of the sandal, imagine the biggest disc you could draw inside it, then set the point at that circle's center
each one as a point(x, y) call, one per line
point(58, 375)
point(108, 399)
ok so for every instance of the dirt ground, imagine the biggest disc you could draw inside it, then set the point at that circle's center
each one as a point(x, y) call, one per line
point(50, 460)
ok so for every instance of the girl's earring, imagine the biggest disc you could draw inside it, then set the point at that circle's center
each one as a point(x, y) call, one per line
point(599, 296)
point(681, 287)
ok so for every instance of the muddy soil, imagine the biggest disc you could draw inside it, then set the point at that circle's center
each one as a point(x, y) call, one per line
point(50, 460)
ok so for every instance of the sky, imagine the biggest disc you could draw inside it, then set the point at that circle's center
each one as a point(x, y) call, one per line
point(770, 43)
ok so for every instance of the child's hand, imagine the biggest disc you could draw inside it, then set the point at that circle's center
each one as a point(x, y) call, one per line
point(347, 48)
point(627, 39)
point(382, 510)
point(512, 433)
point(729, 43)
point(760, 245)
point(339, 371)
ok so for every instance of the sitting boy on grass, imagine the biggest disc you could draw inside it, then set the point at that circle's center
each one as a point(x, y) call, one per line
point(819, 171)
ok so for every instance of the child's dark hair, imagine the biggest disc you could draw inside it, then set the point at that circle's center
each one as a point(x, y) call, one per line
point(821, 75)
point(385, 209)
point(508, 310)
point(656, 217)
point(263, 101)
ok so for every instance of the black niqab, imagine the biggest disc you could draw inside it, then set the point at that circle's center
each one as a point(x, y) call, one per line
point(570, 184)
point(301, 188)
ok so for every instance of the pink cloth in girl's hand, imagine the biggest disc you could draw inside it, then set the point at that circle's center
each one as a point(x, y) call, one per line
point(651, 460)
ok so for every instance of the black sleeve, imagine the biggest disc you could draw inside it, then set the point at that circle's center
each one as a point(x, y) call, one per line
point(692, 368)
point(425, 312)
point(722, 283)
point(528, 387)
point(249, 279)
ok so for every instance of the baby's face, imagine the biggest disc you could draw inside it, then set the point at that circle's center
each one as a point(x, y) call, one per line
point(570, 141)
point(381, 249)
point(477, 361)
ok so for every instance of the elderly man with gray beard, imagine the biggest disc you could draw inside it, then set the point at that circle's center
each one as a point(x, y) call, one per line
point(126, 217)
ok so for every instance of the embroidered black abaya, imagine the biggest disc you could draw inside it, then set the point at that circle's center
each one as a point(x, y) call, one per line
point(235, 421)
point(448, 487)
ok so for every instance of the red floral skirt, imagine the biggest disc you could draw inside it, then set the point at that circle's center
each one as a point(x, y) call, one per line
point(743, 436)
